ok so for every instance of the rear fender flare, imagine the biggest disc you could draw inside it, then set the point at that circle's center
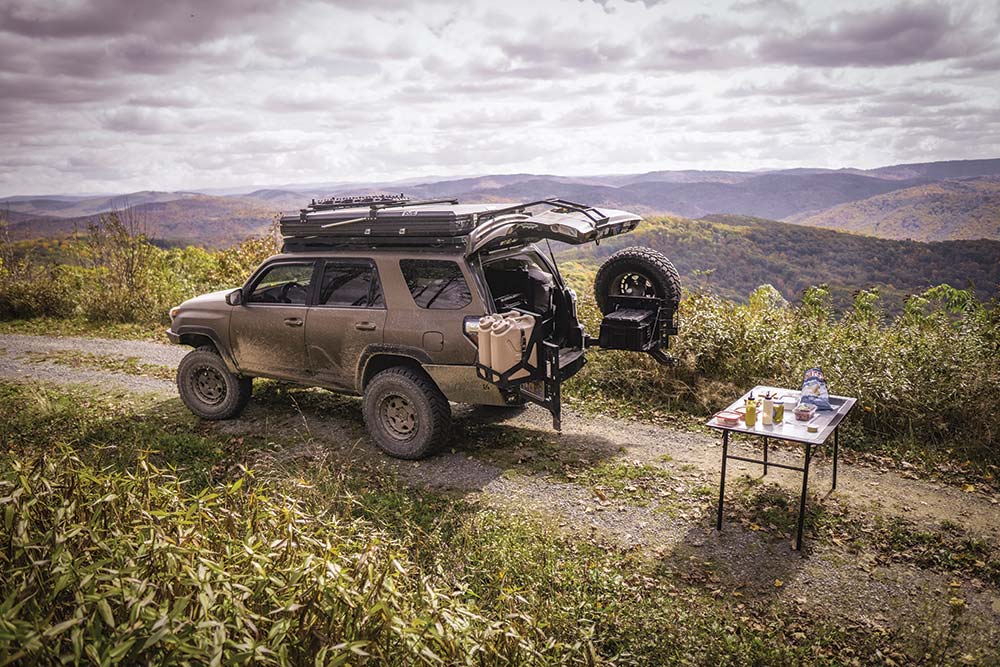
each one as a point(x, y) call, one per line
point(405, 354)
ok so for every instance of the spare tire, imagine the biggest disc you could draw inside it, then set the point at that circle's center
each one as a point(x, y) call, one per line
point(637, 272)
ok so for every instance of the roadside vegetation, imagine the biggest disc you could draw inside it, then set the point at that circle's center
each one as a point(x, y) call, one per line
point(927, 380)
point(136, 534)
point(927, 377)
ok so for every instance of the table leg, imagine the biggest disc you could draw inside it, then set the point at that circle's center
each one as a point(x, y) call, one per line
point(802, 499)
point(836, 451)
point(722, 479)
point(765, 456)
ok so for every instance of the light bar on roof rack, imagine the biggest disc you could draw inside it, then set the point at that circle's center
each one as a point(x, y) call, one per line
point(331, 203)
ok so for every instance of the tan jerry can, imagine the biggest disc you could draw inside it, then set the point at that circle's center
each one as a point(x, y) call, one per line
point(508, 339)
point(484, 342)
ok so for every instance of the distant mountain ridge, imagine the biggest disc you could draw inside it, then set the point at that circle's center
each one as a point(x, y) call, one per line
point(938, 211)
point(923, 201)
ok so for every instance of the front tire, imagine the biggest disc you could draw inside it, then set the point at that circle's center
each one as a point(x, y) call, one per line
point(208, 388)
point(406, 415)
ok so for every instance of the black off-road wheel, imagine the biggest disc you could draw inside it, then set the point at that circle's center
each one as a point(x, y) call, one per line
point(636, 272)
point(406, 415)
point(208, 388)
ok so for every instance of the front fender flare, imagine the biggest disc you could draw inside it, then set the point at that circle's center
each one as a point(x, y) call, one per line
point(213, 335)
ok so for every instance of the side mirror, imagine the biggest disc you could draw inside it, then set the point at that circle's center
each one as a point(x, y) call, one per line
point(235, 298)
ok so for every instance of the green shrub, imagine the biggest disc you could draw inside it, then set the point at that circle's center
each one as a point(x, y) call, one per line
point(29, 290)
point(933, 372)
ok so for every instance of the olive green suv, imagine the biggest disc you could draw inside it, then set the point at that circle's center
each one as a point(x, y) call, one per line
point(382, 297)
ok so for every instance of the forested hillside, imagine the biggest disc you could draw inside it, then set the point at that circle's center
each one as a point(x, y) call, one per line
point(204, 220)
point(730, 255)
point(965, 209)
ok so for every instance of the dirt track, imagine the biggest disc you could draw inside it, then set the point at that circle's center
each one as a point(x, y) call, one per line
point(514, 459)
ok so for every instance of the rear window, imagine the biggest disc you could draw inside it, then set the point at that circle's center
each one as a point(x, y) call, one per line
point(350, 284)
point(436, 284)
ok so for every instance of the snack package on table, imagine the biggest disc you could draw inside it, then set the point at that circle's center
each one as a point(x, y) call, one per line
point(814, 391)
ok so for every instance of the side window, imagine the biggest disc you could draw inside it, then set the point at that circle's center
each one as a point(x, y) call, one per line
point(352, 284)
point(436, 284)
point(286, 283)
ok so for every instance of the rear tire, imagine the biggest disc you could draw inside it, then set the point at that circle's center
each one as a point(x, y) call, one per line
point(634, 270)
point(406, 414)
point(208, 388)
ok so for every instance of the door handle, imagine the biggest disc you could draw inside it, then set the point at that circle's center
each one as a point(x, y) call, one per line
point(293, 321)
point(364, 326)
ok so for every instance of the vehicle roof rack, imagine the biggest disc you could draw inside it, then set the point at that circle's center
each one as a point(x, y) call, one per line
point(374, 203)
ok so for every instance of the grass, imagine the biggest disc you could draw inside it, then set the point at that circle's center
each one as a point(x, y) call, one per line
point(632, 482)
point(107, 362)
point(138, 533)
point(52, 326)
point(947, 547)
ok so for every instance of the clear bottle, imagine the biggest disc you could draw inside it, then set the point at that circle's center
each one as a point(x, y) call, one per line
point(767, 410)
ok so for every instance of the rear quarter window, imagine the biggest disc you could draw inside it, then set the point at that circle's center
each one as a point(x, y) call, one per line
point(436, 284)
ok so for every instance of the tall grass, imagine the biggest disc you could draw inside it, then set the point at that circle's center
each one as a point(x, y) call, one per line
point(106, 566)
point(205, 552)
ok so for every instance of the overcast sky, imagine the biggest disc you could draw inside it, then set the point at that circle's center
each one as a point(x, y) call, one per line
point(124, 95)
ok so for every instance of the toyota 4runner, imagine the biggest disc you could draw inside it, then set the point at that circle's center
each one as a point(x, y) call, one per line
point(382, 297)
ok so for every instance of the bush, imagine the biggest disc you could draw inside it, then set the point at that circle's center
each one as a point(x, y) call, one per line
point(932, 372)
point(29, 290)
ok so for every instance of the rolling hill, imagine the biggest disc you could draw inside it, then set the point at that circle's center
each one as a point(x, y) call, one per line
point(955, 209)
point(80, 206)
point(926, 201)
point(193, 219)
point(732, 255)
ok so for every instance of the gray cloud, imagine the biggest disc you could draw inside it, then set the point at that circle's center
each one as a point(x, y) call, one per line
point(898, 35)
point(804, 88)
point(112, 95)
point(786, 7)
point(184, 21)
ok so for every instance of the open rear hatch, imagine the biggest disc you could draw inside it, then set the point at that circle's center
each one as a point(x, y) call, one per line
point(560, 220)
point(552, 350)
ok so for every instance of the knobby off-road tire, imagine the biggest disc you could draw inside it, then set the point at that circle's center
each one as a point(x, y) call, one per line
point(406, 415)
point(207, 387)
point(647, 263)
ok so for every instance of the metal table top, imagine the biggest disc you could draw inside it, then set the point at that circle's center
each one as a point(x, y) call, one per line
point(790, 428)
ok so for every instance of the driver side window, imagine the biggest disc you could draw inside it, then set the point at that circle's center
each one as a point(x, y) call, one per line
point(283, 284)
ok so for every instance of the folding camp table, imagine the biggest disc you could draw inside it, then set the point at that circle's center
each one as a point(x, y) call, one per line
point(826, 421)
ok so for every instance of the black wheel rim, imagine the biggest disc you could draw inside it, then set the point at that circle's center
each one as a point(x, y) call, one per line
point(208, 385)
point(634, 284)
point(398, 416)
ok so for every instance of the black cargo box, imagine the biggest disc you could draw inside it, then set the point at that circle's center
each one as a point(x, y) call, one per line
point(394, 222)
point(628, 329)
